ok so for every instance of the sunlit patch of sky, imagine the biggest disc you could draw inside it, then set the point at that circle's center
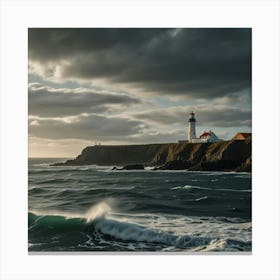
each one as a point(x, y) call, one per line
point(155, 73)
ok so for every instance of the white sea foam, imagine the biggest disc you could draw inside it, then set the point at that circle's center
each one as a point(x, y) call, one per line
point(176, 231)
point(192, 237)
point(149, 168)
point(214, 173)
point(201, 198)
point(186, 187)
point(189, 187)
point(171, 231)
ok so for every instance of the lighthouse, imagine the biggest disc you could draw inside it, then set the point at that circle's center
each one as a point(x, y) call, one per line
point(191, 129)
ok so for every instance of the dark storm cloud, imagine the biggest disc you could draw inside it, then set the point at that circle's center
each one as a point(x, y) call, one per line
point(199, 62)
point(85, 127)
point(50, 44)
point(217, 116)
point(52, 102)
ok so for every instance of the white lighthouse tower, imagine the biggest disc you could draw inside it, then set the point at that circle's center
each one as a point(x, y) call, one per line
point(191, 129)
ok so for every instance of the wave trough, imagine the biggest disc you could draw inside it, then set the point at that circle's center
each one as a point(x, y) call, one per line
point(91, 208)
point(100, 225)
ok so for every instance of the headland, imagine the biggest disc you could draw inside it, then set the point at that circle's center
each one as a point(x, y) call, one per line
point(232, 155)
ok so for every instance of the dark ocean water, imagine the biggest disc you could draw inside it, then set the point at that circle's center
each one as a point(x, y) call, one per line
point(91, 208)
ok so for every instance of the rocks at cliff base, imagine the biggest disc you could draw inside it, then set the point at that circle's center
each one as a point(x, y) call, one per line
point(232, 155)
point(130, 167)
point(174, 165)
point(245, 166)
point(222, 165)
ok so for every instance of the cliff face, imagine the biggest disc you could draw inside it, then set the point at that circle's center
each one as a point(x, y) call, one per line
point(117, 155)
point(226, 155)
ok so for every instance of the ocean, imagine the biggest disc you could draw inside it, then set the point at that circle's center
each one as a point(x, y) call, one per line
point(92, 208)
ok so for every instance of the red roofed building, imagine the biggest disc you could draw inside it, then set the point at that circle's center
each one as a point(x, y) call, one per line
point(207, 137)
point(242, 136)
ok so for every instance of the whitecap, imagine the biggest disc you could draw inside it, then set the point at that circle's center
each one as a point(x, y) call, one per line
point(201, 198)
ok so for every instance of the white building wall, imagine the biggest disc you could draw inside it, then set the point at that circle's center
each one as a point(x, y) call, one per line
point(206, 140)
point(191, 131)
point(198, 140)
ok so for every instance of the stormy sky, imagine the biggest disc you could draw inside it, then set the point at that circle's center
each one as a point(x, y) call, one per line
point(128, 86)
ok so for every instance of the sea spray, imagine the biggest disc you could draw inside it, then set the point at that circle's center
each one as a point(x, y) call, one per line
point(93, 209)
point(97, 211)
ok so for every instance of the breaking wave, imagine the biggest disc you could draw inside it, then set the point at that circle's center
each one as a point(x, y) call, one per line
point(98, 225)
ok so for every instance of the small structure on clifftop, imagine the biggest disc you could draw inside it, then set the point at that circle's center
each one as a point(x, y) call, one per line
point(205, 137)
point(242, 136)
point(209, 136)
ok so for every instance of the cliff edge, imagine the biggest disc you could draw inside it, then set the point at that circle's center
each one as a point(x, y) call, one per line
point(233, 155)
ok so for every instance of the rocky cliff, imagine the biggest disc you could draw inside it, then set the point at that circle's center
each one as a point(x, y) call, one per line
point(225, 156)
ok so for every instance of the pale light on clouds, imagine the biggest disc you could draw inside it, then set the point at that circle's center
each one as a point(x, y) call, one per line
point(125, 86)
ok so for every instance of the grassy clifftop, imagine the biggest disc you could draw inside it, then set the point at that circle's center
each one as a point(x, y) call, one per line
point(226, 155)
